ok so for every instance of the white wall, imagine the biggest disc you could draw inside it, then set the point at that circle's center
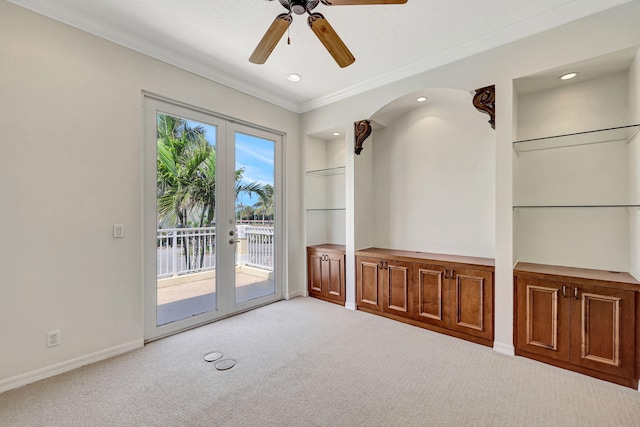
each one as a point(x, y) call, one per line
point(574, 175)
point(591, 104)
point(634, 169)
point(617, 29)
point(434, 181)
point(71, 119)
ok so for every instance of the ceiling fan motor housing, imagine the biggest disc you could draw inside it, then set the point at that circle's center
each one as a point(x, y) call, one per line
point(299, 7)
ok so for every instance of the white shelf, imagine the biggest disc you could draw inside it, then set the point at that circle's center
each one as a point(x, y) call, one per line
point(621, 133)
point(573, 206)
point(339, 170)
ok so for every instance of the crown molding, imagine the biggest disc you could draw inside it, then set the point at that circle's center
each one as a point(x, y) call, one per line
point(545, 21)
point(153, 50)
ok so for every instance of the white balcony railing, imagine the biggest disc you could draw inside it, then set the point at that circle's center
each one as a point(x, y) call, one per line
point(185, 251)
point(182, 251)
point(260, 247)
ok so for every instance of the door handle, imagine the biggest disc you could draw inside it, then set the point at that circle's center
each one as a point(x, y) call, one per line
point(446, 273)
point(452, 274)
point(233, 241)
point(575, 293)
point(380, 265)
point(564, 291)
point(386, 265)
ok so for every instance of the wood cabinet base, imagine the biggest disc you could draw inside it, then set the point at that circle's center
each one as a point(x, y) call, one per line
point(579, 319)
point(325, 271)
point(449, 294)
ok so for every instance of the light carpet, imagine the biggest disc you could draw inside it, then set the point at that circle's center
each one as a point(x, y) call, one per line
point(306, 362)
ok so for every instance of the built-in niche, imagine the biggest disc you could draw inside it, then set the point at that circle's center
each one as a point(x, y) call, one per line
point(325, 188)
point(576, 197)
point(432, 175)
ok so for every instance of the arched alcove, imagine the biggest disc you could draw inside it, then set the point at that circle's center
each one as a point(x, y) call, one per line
point(432, 175)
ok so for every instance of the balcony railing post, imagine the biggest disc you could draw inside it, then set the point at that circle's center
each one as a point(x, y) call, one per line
point(174, 253)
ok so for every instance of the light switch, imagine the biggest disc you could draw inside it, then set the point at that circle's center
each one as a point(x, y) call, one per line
point(118, 231)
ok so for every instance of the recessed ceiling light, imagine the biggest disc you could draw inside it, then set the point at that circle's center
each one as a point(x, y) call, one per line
point(294, 77)
point(421, 99)
point(336, 134)
point(568, 76)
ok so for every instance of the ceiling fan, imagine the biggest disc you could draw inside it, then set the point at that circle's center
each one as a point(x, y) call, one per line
point(319, 25)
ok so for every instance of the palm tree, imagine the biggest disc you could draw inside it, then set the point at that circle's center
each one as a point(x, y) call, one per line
point(264, 206)
point(181, 151)
point(186, 178)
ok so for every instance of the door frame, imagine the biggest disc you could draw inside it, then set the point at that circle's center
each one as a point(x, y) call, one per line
point(226, 128)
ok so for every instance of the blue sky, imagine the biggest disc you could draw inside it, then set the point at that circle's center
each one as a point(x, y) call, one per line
point(255, 155)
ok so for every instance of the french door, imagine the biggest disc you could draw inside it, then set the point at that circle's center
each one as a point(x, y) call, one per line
point(212, 217)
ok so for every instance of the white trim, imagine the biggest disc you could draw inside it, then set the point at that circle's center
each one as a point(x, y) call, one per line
point(295, 294)
point(506, 349)
point(542, 22)
point(350, 306)
point(69, 365)
point(93, 25)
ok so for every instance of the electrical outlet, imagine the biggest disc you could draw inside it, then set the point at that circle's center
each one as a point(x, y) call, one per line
point(53, 338)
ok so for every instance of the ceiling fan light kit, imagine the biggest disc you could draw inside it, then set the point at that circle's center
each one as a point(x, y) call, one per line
point(319, 25)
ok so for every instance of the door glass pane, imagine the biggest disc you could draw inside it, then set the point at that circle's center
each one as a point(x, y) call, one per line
point(186, 202)
point(255, 217)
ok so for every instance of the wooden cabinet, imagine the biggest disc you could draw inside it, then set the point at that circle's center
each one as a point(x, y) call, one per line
point(383, 285)
point(325, 270)
point(579, 319)
point(445, 293)
point(454, 297)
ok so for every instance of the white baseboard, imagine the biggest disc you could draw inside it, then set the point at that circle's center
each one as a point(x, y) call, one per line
point(350, 306)
point(506, 349)
point(60, 368)
point(295, 294)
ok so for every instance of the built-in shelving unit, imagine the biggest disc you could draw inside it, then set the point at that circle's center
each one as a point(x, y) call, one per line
point(573, 201)
point(575, 214)
point(325, 191)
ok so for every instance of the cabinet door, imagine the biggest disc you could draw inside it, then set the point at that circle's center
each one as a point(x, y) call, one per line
point(429, 297)
point(603, 329)
point(315, 276)
point(543, 317)
point(395, 291)
point(334, 271)
point(471, 302)
point(368, 287)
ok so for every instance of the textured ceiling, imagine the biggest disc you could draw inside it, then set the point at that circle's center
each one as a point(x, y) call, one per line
point(214, 38)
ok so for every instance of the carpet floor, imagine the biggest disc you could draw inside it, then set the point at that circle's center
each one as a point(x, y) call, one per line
point(306, 362)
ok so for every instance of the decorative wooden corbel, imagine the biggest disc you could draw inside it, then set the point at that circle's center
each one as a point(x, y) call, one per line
point(485, 102)
point(363, 130)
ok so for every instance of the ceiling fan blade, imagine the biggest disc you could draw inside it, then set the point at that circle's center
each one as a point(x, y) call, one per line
point(271, 39)
point(330, 40)
point(357, 2)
